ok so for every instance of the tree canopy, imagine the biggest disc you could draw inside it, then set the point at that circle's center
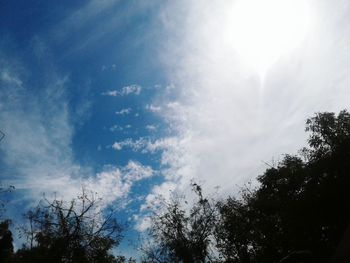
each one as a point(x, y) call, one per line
point(180, 235)
point(298, 212)
point(301, 208)
point(75, 231)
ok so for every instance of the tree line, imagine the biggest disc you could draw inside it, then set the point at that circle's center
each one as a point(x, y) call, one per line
point(298, 212)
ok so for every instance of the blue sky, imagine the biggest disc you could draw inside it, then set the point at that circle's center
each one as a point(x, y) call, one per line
point(58, 59)
point(136, 98)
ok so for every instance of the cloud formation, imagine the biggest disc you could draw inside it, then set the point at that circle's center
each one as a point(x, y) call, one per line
point(151, 128)
point(37, 152)
point(116, 182)
point(147, 145)
point(127, 90)
point(153, 108)
point(227, 120)
point(123, 111)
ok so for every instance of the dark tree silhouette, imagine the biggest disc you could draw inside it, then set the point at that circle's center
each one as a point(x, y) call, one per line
point(122, 259)
point(76, 231)
point(301, 208)
point(5, 190)
point(6, 246)
point(180, 236)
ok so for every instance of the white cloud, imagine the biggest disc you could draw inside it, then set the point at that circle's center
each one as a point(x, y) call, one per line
point(37, 154)
point(109, 185)
point(226, 119)
point(153, 203)
point(146, 145)
point(111, 67)
point(123, 111)
point(10, 79)
point(115, 182)
point(151, 128)
point(112, 93)
point(136, 145)
point(116, 128)
point(153, 108)
point(117, 146)
point(38, 138)
point(95, 20)
point(80, 18)
point(142, 224)
point(132, 89)
point(134, 171)
point(127, 90)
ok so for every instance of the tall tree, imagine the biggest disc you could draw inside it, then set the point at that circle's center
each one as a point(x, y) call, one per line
point(301, 208)
point(6, 246)
point(75, 231)
point(180, 235)
point(6, 240)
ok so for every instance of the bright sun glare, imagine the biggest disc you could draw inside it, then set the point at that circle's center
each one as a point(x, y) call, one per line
point(263, 30)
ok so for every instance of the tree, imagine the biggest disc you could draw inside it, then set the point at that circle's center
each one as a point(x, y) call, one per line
point(75, 231)
point(233, 232)
point(122, 259)
point(6, 246)
point(4, 192)
point(301, 208)
point(180, 235)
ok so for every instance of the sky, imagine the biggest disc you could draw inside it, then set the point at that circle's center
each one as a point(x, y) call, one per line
point(135, 99)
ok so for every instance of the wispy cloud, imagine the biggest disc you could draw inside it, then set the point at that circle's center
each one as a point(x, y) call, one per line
point(10, 79)
point(136, 145)
point(112, 93)
point(111, 67)
point(116, 182)
point(127, 90)
point(94, 21)
point(38, 136)
point(132, 89)
point(37, 154)
point(134, 171)
point(83, 17)
point(123, 111)
point(151, 128)
point(145, 144)
point(226, 119)
point(153, 108)
point(117, 146)
point(116, 128)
